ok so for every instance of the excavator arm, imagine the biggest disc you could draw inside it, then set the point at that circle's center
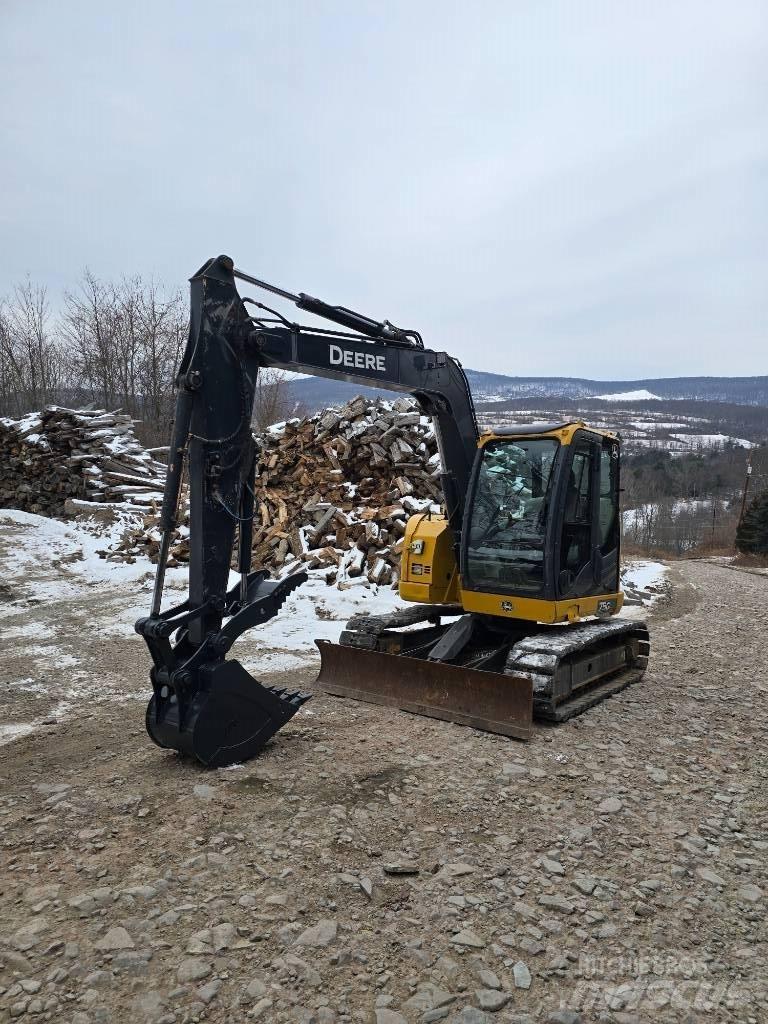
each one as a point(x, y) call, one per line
point(203, 704)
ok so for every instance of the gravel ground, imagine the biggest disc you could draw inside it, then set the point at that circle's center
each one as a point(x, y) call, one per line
point(377, 867)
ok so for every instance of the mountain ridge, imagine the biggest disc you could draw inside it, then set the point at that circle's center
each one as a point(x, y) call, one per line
point(315, 393)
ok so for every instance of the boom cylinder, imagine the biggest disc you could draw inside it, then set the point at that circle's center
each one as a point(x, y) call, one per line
point(168, 514)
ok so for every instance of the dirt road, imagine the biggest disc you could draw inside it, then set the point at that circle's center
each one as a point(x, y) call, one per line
point(377, 867)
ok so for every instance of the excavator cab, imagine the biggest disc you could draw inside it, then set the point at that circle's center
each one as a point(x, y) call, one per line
point(540, 533)
point(542, 523)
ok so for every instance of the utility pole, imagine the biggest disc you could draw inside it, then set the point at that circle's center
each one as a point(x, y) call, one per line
point(746, 488)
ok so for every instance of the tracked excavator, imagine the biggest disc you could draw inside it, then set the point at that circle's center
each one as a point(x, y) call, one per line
point(511, 590)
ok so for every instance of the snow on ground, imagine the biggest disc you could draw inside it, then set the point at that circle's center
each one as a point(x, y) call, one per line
point(656, 425)
point(644, 574)
point(630, 396)
point(74, 546)
point(634, 518)
point(313, 611)
point(644, 582)
point(713, 440)
point(13, 732)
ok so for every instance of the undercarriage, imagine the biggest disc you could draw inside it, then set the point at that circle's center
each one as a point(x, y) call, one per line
point(474, 671)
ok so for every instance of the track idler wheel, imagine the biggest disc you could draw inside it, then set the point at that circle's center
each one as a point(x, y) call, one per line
point(225, 719)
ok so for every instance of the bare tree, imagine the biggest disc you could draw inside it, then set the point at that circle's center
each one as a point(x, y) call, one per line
point(31, 368)
point(272, 401)
point(126, 341)
point(163, 327)
point(10, 376)
point(89, 326)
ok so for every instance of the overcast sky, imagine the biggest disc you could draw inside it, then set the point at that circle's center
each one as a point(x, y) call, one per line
point(539, 187)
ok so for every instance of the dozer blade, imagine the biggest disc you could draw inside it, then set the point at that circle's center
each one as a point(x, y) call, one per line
point(227, 720)
point(489, 701)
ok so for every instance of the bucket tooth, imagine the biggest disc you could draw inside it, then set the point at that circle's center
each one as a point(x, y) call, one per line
point(297, 697)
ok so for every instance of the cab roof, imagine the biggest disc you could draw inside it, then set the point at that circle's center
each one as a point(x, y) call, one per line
point(563, 432)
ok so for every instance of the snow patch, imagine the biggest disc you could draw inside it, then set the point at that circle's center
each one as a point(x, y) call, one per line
point(79, 543)
point(713, 440)
point(314, 611)
point(8, 733)
point(644, 574)
point(630, 396)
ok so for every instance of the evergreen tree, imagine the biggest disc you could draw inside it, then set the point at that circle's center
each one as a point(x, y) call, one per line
point(752, 534)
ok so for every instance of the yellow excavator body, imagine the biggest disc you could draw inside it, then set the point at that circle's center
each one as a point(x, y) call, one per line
point(429, 573)
point(533, 630)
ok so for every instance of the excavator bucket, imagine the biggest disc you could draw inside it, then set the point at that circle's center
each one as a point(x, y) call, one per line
point(489, 701)
point(227, 720)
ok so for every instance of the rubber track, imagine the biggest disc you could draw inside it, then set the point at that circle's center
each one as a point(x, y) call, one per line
point(541, 656)
point(586, 699)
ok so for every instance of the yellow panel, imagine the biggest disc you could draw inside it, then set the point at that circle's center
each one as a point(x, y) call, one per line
point(428, 570)
point(534, 610)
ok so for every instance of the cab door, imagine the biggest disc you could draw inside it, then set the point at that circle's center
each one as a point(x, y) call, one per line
point(608, 516)
point(588, 555)
point(578, 507)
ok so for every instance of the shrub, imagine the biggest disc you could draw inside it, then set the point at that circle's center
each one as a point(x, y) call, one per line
point(752, 534)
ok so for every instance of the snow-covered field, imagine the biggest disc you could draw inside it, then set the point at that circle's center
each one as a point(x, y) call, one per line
point(640, 430)
point(642, 395)
point(709, 441)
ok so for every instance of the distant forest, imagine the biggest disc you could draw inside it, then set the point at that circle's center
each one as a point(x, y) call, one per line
point(316, 393)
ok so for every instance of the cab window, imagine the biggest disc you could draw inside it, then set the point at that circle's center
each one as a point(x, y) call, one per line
point(576, 546)
point(508, 520)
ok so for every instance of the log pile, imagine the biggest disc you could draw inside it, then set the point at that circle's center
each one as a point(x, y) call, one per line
point(64, 462)
point(333, 493)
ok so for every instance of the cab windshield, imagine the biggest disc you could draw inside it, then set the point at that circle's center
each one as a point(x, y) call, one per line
point(505, 541)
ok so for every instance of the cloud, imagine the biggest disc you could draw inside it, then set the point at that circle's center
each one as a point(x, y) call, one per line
point(539, 188)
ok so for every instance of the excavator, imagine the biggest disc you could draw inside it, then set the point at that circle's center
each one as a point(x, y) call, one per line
point(511, 590)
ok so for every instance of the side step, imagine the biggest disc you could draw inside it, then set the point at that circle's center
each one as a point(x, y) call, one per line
point(488, 701)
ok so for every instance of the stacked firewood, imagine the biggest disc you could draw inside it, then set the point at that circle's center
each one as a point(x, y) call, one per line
point(64, 462)
point(333, 493)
